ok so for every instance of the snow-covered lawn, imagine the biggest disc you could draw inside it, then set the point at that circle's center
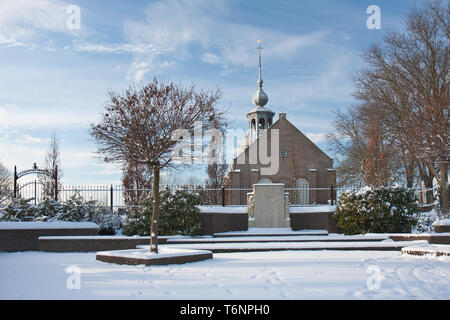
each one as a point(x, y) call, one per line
point(256, 275)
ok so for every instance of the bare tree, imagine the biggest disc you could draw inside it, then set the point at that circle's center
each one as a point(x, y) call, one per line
point(53, 165)
point(365, 153)
point(135, 178)
point(5, 183)
point(216, 179)
point(137, 126)
point(408, 81)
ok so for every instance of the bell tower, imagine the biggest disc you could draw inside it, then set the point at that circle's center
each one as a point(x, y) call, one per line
point(260, 118)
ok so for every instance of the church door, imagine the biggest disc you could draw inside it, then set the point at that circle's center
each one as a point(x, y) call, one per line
point(303, 191)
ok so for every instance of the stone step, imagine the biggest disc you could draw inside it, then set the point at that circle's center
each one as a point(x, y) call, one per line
point(271, 232)
point(434, 238)
point(428, 250)
point(271, 238)
point(305, 246)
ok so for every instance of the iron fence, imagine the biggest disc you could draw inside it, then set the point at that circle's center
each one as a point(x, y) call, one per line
point(117, 196)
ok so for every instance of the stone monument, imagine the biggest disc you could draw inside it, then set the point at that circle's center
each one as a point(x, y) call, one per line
point(268, 206)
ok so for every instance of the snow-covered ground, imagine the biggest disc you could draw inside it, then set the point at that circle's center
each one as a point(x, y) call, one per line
point(256, 275)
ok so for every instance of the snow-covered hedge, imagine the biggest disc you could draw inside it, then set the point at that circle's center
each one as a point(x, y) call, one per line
point(179, 215)
point(377, 210)
point(75, 209)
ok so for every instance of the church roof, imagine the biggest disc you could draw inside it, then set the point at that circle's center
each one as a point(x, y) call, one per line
point(260, 109)
point(282, 124)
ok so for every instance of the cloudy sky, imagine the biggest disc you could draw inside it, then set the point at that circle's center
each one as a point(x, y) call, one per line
point(58, 59)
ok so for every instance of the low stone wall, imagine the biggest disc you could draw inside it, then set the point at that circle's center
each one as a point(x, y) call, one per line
point(314, 221)
point(214, 222)
point(441, 229)
point(222, 219)
point(91, 244)
point(23, 236)
point(431, 238)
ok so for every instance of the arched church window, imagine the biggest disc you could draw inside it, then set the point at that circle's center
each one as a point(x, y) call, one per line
point(302, 186)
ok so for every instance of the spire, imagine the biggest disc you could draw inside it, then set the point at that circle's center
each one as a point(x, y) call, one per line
point(260, 98)
point(260, 81)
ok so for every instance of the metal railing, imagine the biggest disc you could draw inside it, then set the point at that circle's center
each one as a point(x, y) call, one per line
point(117, 196)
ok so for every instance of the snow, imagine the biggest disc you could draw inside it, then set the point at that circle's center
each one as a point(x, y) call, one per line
point(281, 238)
point(429, 249)
point(444, 222)
point(220, 209)
point(144, 253)
point(115, 237)
point(297, 245)
point(271, 231)
point(243, 209)
point(229, 276)
point(311, 209)
point(46, 225)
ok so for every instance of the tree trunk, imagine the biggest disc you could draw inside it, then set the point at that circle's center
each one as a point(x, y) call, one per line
point(444, 188)
point(155, 211)
point(427, 179)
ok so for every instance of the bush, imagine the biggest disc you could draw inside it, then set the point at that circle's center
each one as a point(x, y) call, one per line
point(75, 209)
point(49, 209)
point(377, 210)
point(19, 210)
point(179, 215)
point(138, 220)
point(425, 221)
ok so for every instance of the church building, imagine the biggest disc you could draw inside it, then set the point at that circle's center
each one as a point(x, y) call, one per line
point(300, 163)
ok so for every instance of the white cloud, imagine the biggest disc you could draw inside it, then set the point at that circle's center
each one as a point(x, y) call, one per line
point(211, 58)
point(174, 27)
point(317, 137)
point(28, 139)
point(83, 46)
point(13, 116)
point(22, 21)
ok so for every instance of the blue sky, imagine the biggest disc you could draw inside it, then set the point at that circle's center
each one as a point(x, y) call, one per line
point(54, 79)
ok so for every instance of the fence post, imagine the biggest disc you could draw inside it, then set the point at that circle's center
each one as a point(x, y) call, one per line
point(332, 195)
point(223, 196)
point(112, 198)
point(56, 182)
